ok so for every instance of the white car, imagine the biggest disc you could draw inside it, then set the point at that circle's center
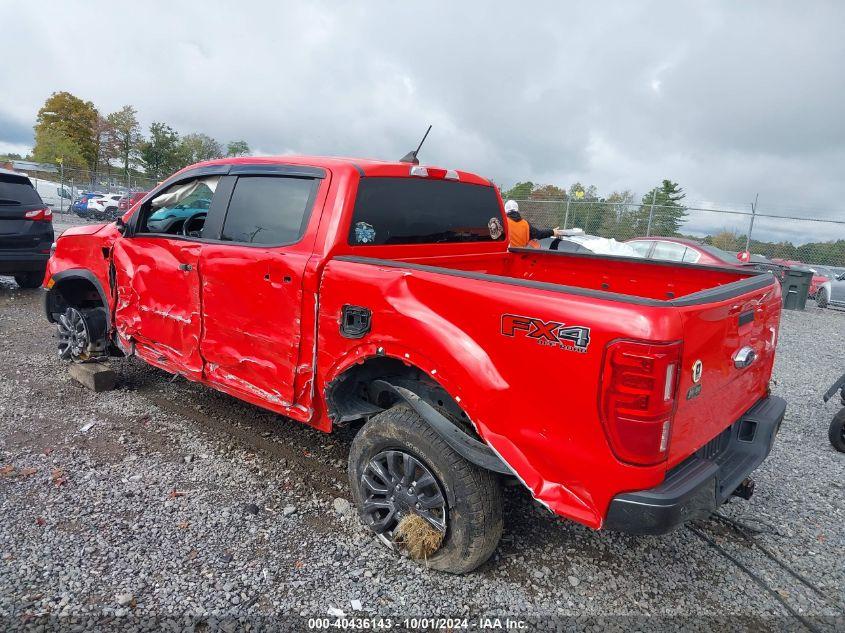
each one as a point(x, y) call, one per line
point(104, 205)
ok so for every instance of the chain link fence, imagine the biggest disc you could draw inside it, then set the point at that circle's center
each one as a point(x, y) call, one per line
point(772, 233)
point(60, 186)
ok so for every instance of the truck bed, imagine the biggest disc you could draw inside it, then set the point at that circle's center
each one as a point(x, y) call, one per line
point(634, 278)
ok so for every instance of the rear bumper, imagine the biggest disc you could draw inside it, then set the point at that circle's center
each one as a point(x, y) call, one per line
point(696, 487)
point(23, 261)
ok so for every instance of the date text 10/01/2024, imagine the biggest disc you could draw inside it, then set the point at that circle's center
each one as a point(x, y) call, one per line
point(416, 623)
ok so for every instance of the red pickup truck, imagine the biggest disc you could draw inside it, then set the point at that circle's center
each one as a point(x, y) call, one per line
point(624, 394)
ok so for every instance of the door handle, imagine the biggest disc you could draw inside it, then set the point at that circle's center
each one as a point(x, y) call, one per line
point(185, 267)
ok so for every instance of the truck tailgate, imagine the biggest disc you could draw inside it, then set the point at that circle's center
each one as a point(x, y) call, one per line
point(713, 391)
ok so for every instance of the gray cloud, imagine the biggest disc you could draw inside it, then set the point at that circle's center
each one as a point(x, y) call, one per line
point(728, 99)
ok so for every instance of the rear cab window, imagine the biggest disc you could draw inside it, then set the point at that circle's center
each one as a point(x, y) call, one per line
point(397, 210)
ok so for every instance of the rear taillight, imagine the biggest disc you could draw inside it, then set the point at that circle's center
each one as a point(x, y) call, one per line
point(639, 381)
point(39, 215)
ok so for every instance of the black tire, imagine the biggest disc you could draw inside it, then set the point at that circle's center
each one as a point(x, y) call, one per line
point(29, 280)
point(821, 298)
point(836, 433)
point(473, 495)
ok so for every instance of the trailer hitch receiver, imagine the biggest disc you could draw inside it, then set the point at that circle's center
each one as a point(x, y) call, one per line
point(745, 489)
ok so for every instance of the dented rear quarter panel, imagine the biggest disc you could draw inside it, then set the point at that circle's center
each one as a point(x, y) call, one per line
point(535, 405)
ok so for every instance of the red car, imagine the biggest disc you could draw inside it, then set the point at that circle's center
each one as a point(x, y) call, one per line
point(679, 249)
point(127, 202)
point(623, 394)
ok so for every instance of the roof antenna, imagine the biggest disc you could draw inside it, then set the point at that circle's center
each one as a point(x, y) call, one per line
point(411, 157)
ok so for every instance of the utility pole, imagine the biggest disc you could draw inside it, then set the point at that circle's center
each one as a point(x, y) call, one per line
point(62, 185)
point(651, 213)
point(751, 226)
point(566, 216)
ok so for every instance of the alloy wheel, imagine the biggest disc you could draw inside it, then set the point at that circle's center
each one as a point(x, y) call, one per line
point(395, 484)
point(73, 335)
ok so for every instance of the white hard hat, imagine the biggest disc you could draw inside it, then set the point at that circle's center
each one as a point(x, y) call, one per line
point(511, 205)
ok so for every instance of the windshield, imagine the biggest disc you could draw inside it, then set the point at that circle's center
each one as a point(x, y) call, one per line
point(424, 211)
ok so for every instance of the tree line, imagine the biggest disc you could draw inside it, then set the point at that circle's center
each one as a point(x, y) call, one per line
point(620, 216)
point(617, 215)
point(76, 133)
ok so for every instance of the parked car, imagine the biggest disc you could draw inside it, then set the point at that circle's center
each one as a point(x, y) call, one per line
point(625, 394)
point(26, 230)
point(127, 202)
point(832, 292)
point(80, 205)
point(591, 244)
point(679, 249)
point(821, 274)
point(104, 207)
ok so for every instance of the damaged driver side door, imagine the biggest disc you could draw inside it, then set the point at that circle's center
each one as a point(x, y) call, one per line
point(156, 278)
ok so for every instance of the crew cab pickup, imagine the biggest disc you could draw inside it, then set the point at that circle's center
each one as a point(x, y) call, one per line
point(623, 394)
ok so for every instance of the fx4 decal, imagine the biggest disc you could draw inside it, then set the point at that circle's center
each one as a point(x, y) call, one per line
point(575, 338)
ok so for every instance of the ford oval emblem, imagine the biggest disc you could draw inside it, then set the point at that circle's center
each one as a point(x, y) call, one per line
point(697, 368)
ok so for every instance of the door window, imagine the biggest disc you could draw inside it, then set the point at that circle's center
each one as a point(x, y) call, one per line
point(270, 210)
point(181, 209)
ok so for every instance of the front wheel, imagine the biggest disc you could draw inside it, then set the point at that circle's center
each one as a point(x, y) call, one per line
point(420, 496)
point(836, 432)
point(821, 298)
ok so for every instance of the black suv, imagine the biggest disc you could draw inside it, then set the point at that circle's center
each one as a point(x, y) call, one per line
point(26, 230)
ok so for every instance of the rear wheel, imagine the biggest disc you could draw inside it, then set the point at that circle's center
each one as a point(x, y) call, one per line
point(821, 298)
point(400, 471)
point(836, 433)
point(29, 280)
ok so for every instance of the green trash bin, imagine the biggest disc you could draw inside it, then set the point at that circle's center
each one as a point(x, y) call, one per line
point(796, 285)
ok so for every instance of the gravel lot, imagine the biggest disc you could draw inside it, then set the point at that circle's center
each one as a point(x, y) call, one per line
point(165, 499)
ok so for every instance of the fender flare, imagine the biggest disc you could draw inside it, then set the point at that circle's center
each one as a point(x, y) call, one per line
point(76, 273)
point(467, 447)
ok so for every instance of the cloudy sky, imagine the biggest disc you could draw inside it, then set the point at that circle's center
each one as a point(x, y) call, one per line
point(729, 99)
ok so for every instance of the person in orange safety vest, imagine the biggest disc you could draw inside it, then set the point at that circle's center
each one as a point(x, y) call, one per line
point(522, 234)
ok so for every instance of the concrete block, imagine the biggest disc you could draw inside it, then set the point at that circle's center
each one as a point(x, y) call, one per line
point(95, 376)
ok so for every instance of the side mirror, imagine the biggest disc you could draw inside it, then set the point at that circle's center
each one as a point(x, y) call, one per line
point(121, 226)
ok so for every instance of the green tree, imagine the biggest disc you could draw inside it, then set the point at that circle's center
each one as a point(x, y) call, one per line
point(52, 145)
point(104, 146)
point(159, 154)
point(64, 115)
point(669, 214)
point(619, 219)
point(194, 148)
point(237, 148)
point(520, 191)
point(126, 134)
point(547, 192)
